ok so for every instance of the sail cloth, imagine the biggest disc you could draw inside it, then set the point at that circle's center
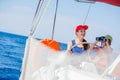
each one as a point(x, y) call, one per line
point(36, 56)
point(115, 70)
point(111, 2)
point(43, 62)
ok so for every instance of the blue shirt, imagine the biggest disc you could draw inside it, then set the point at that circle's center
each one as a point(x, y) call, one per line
point(76, 49)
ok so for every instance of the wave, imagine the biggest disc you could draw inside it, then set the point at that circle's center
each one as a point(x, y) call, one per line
point(9, 74)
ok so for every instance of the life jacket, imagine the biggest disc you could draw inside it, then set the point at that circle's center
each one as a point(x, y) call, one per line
point(51, 44)
point(76, 49)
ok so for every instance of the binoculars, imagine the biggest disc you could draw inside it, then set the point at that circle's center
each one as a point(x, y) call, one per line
point(102, 39)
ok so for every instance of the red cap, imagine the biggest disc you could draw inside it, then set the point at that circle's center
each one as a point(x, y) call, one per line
point(79, 27)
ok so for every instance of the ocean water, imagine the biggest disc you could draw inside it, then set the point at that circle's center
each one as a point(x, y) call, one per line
point(12, 48)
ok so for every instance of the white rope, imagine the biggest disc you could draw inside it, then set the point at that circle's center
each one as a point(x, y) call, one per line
point(36, 16)
point(32, 30)
point(87, 14)
point(88, 51)
point(40, 18)
point(81, 43)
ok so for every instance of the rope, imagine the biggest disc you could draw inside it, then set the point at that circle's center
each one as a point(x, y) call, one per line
point(38, 9)
point(81, 43)
point(55, 19)
point(88, 51)
point(87, 14)
point(35, 16)
point(38, 21)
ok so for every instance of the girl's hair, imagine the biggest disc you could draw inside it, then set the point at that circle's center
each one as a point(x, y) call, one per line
point(86, 46)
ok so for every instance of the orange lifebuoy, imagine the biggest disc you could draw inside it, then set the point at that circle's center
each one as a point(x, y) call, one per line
point(51, 43)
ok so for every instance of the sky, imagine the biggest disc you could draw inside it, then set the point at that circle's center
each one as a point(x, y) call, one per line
point(16, 16)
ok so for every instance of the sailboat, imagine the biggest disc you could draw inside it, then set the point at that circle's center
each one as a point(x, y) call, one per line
point(45, 62)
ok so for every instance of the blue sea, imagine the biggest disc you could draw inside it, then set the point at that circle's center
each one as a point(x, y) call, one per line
point(12, 48)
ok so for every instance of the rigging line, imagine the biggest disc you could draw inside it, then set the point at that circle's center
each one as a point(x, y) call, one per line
point(36, 15)
point(55, 19)
point(87, 14)
point(81, 43)
point(38, 8)
point(42, 14)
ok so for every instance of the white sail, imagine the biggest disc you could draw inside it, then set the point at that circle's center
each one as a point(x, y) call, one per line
point(34, 57)
point(115, 67)
point(43, 63)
